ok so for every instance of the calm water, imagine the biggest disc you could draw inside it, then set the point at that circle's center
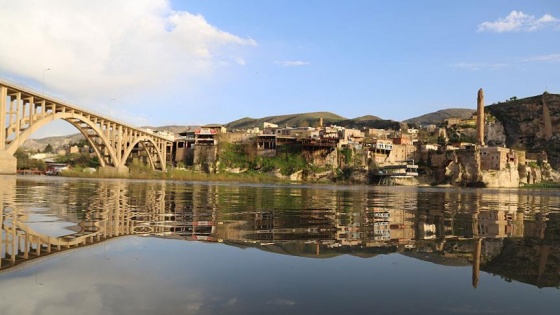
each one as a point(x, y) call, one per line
point(73, 246)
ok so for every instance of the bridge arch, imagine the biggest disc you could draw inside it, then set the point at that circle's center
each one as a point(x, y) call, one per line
point(75, 120)
point(23, 111)
point(153, 150)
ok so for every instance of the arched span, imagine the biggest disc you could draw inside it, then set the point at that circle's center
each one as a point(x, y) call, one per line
point(139, 140)
point(25, 134)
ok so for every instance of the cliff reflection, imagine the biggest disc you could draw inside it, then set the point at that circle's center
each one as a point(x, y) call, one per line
point(515, 234)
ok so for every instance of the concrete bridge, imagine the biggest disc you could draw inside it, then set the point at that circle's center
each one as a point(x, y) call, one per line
point(25, 110)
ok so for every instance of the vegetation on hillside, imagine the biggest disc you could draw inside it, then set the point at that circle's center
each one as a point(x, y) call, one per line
point(293, 120)
point(288, 160)
point(441, 115)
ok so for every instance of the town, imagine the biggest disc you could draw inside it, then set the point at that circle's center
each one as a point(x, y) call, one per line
point(455, 151)
point(458, 151)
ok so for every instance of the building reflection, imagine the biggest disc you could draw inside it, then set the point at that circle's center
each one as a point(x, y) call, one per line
point(514, 235)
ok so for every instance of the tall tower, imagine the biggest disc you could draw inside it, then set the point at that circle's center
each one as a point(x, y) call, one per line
point(480, 117)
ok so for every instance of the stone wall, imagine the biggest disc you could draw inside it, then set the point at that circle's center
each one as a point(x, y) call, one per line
point(204, 157)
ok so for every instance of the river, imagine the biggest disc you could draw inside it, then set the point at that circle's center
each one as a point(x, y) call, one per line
point(115, 246)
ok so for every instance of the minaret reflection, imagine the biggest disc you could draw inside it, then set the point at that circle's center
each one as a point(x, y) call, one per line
point(476, 228)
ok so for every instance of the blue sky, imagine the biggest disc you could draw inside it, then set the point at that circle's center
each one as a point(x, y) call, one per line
point(163, 62)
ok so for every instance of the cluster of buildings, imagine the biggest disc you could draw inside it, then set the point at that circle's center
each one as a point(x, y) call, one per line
point(319, 145)
point(395, 153)
point(385, 153)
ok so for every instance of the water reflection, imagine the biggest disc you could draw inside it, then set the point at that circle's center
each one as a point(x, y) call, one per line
point(514, 234)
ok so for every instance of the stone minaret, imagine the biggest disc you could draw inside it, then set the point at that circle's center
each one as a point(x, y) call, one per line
point(480, 117)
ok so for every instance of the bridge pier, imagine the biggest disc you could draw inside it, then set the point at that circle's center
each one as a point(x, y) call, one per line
point(113, 171)
point(8, 163)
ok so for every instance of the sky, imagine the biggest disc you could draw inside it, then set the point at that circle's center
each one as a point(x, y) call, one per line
point(159, 62)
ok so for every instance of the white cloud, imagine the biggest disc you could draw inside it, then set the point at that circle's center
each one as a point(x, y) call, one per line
point(96, 48)
point(292, 63)
point(544, 58)
point(519, 21)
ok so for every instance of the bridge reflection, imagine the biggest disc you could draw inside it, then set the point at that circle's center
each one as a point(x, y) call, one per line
point(515, 235)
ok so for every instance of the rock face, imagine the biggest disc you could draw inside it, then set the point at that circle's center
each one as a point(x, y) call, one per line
point(495, 134)
point(462, 168)
point(532, 124)
point(506, 178)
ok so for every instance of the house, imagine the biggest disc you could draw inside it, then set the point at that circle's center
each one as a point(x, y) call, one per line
point(496, 158)
point(216, 127)
point(452, 121)
point(402, 139)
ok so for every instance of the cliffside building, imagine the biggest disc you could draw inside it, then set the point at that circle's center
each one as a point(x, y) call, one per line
point(497, 158)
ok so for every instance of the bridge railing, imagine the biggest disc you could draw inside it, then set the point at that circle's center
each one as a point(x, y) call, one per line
point(61, 101)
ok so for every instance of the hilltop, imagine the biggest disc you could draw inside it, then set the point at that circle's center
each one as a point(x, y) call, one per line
point(292, 120)
point(439, 116)
point(312, 120)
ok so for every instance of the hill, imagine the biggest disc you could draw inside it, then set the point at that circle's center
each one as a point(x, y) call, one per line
point(532, 124)
point(366, 118)
point(55, 142)
point(293, 120)
point(439, 116)
point(369, 121)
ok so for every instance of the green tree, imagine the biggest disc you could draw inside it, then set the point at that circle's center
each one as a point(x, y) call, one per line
point(49, 149)
point(22, 159)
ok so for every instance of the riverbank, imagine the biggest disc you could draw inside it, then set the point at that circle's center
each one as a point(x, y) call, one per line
point(181, 174)
point(547, 185)
point(141, 172)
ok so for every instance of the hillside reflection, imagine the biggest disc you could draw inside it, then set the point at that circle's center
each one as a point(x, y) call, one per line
point(515, 234)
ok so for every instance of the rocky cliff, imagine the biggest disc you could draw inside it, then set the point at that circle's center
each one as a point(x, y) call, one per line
point(531, 124)
point(463, 168)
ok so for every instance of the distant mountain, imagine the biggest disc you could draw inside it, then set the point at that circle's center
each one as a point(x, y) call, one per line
point(369, 121)
point(293, 120)
point(55, 142)
point(366, 118)
point(441, 115)
point(312, 120)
